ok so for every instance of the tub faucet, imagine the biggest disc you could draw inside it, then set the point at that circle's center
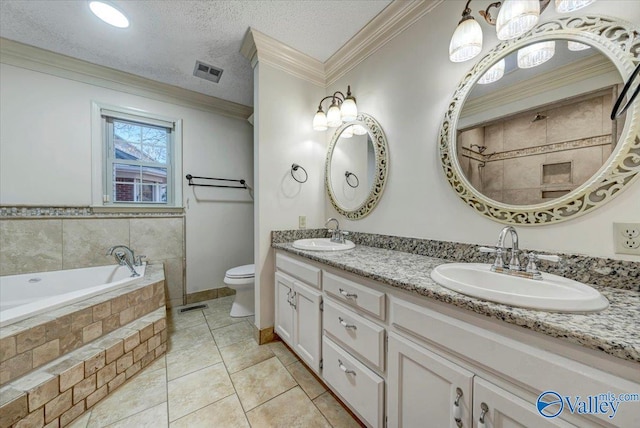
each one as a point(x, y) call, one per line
point(336, 234)
point(124, 256)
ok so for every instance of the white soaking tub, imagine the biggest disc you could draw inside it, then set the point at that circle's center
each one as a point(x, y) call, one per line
point(23, 296)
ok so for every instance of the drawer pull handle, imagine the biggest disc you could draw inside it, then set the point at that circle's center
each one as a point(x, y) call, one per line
point(347, 294)
point(345, 369)
point(457, 411)
point(345, 325)
point(485, 409)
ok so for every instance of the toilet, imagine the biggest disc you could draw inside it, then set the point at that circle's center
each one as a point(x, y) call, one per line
point(242, 279)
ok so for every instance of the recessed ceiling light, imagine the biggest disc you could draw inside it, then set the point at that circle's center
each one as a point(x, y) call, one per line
point(109, 14)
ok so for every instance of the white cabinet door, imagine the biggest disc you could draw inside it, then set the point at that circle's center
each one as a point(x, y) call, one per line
point(422, 388)
point(505, 410)
point(284, 308)
point(307, 325)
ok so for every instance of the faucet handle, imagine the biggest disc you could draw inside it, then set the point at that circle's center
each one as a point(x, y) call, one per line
point(498, 262)
point(487, 249)
point(139, 260)
point(533, 257)
point(549, 257)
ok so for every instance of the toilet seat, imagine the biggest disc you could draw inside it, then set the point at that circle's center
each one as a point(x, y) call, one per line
point(241, 272)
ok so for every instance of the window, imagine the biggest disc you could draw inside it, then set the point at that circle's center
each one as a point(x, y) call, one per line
point(140, 159)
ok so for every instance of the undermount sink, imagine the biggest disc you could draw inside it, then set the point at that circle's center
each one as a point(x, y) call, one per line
point(322, 244)
point(551, 293)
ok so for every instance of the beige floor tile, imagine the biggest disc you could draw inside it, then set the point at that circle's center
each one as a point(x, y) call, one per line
point(142, 392)
point(334, 412)
point(292, 409)
point(189, 337)
point(283, 353)
point(244, 354)
point(224, 413)
point(197, 390)
point(155, 417)
point(231, 334)
point(220, 318)
point(188, 360)
point(260, 383)
point(222, 302)
point(158, 364)
point(178, 321)
point(306, 380)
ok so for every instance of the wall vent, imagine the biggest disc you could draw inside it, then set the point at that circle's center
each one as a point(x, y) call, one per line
point(207, 72)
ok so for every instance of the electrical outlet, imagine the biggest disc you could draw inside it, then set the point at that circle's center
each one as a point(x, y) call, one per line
point(302, 222)
point(626, 238)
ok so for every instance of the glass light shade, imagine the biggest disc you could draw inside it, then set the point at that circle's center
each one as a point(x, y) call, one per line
point(320, 121)
point(536, 54)
point(577, 46)
point(349, 110)
point(516, 17)
point(493, 74)
point(565, 6)
point(109, 14)
point(333, 116)
point(466, 41)
point(359, 130)
point(347, 132)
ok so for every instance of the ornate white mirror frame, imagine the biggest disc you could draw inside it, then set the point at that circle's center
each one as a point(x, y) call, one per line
point(379, 141)
point(617, 40)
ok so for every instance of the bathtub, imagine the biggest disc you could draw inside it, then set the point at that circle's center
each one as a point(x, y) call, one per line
point(23, 296)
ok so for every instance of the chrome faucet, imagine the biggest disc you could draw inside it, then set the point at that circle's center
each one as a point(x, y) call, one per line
point(336, 234)
point(513, 268)
point(514, 262)
point(125, 257)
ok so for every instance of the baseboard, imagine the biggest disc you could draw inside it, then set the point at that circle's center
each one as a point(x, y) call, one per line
point(263, 336)
point(214, 293)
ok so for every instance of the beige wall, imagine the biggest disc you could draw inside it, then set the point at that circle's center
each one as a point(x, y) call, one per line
point(54, 244)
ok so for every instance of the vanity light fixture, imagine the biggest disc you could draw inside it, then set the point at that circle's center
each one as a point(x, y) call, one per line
point(577, 46)
point(515, 17)
point(347, 132)
point(342, 109)
point(493, 74)
point(359, 130)
point(109, 14)
point(536, 54)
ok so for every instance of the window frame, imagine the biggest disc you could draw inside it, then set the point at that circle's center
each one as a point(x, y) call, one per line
point(102, 161)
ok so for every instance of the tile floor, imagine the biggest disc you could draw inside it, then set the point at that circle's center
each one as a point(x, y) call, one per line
point(215, 375)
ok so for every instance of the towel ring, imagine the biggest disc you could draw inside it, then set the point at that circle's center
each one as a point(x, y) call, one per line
point(294, 168)
point(348, 174)
point(617, 111)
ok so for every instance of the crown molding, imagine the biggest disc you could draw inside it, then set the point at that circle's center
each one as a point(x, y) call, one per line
point(389, 23)
point(44, 61)
point(583, 69)
point(260, 47)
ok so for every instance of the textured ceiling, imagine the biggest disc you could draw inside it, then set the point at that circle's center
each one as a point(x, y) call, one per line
point(166, 37)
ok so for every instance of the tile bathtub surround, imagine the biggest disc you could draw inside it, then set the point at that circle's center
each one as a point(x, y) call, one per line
point(37, 244)
point(35, 341)
point(620, 274)
point(64, 389)
point(613, 331)
point(225, 386)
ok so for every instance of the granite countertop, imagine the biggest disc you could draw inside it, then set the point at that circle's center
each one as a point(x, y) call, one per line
point(613, 331)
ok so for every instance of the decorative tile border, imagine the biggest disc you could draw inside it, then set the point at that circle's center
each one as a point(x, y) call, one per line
point(592, 270)
point(16, 212)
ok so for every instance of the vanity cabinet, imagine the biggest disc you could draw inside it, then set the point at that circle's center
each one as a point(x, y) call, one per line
point(298, 316)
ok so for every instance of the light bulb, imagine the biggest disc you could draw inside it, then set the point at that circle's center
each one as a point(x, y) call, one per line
point(565, 6)
point(466, 41)
point(109, 14)
point(320, 121)
point(347, 132)
point(359, 130)
point(333, 115)
point(349, 110)
point(536, 54)
point(493, 74)
point(577, 46)
point(516, 17)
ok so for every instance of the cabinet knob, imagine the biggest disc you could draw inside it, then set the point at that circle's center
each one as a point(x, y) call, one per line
point(345, 369)
point(345, 325)
point(457, 411)
point(485, 409)
point(347, 294)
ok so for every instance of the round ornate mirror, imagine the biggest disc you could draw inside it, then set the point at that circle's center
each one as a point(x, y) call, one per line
point(356, 167)
point(527, 138)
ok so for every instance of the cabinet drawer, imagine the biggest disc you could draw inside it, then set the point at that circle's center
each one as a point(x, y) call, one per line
point(355, 332)
point(354, 294)
point(359, 387)
point(307, 273)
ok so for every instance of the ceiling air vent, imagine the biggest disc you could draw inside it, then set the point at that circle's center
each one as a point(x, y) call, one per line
point(208, 72)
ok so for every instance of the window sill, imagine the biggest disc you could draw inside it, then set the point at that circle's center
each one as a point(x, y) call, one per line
point(136, 209)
